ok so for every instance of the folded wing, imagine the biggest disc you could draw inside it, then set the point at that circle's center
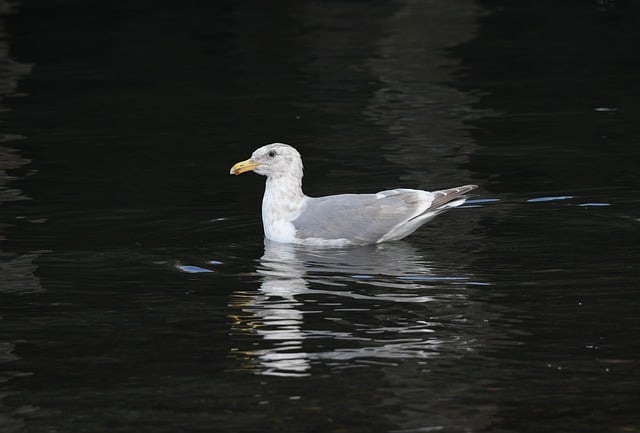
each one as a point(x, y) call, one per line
point(370, 218)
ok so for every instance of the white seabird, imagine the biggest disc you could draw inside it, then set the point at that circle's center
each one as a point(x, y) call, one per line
point(290, 216)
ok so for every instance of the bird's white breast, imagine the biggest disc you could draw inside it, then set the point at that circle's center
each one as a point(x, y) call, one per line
point(281, 205)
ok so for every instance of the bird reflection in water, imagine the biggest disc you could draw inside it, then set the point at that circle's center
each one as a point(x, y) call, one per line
point(346, 307)
point(274, 313)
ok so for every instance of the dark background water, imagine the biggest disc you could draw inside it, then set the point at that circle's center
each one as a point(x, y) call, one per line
point(137, 294)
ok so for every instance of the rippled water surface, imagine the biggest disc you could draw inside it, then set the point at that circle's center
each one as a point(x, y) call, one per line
point(137, 292)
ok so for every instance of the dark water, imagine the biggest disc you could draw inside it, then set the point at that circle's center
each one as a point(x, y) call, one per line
point(137, 294)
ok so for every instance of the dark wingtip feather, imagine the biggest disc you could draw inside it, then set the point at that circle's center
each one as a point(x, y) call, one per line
point(445, 196)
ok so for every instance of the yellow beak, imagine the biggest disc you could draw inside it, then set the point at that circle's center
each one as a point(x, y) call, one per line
point(243, 166)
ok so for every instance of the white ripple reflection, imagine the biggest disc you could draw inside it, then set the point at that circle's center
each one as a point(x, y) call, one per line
point(352, 306)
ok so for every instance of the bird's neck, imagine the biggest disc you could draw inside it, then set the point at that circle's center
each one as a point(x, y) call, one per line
point(282, 202)
point(283, 193)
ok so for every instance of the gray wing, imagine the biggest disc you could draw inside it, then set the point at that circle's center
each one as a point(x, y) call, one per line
point(366, 218)
point(360, 218)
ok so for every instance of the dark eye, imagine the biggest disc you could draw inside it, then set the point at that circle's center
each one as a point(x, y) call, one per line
point(272, 153)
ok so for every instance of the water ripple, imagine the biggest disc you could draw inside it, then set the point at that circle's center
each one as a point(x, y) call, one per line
point(367, 304)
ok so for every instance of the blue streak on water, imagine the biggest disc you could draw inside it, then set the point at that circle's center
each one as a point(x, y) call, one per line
point(550, 198)
point(594, 204)
point(193, 269)
point(428, 278)
point(482, 200)
point(478, 202)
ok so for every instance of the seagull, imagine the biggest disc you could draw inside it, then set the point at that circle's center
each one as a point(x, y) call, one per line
point(289, 216)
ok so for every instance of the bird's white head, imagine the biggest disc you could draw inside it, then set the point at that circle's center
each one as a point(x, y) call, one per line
point(273, 160)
